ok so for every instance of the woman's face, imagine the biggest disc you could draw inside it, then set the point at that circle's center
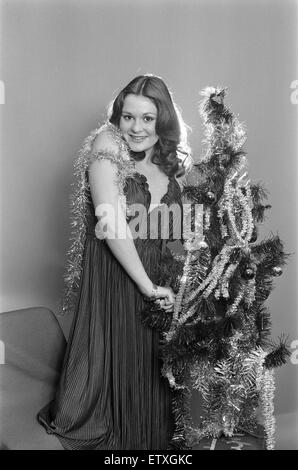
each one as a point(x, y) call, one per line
point(138, 122)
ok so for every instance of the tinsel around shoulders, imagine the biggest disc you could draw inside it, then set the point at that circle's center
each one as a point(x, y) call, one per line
point(119, 154)
point(125, 168)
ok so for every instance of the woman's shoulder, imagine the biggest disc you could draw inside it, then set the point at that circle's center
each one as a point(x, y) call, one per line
point(108, 147)
point(108, 138)
point(108, 143)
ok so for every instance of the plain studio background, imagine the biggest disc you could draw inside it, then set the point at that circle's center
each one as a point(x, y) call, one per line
point(62, 62)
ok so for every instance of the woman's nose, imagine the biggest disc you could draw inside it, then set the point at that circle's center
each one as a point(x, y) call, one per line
point(136, 125)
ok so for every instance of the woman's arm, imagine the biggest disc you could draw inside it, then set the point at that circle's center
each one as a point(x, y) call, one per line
point(105, 195)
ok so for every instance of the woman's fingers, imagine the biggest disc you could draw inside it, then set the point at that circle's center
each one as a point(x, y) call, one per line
point(170, 299)
point(167, 295)
point(168, 307)
point(164, 292)
point(164, 302)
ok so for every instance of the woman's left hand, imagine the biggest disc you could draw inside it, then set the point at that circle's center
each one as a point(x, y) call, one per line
point(165, 305)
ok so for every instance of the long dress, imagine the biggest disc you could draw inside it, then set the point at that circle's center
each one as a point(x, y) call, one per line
point(111, 394)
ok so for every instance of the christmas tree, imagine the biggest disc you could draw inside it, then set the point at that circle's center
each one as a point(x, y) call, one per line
point(217, 341)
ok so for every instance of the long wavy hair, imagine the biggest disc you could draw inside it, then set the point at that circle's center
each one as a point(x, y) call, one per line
point(171, 151)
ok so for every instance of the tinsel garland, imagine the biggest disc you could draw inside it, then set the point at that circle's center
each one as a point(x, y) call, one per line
point(267, 389)
point(119, 154)
point(193, 247)
point(216, 340)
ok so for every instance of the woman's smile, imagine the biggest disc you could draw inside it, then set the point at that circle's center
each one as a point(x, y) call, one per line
point(138, 123)
point(137, 138)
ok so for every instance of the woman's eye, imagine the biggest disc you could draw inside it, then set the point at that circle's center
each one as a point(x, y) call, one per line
point(148, 119)
point(126, 117)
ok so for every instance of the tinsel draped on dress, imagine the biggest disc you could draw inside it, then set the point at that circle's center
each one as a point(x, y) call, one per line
point(111, 394)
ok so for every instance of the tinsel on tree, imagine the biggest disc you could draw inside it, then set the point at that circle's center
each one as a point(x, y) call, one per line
point(217, 341)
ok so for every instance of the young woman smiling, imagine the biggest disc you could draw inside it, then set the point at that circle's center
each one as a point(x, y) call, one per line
point(111, 394)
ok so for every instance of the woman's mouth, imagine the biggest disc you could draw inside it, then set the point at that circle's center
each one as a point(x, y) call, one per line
point(137, 139)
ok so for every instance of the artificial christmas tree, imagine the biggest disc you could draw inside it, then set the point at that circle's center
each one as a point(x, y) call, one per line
point(217, 340)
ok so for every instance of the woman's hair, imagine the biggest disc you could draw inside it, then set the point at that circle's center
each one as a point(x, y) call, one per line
point(171, 151)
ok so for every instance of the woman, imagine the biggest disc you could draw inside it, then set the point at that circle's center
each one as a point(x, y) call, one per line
point(111, 394)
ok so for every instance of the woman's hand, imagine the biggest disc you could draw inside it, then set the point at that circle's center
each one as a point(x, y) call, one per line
point(164, 305)
point(159, 293)
point(165, 298)
point(165, 293)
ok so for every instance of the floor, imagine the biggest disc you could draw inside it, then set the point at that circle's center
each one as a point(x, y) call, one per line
point(286, 437)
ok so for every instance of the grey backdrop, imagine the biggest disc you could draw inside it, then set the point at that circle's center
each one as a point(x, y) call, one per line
point(61, 63)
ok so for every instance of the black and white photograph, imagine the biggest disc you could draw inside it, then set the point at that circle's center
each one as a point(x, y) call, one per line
point(149, 187)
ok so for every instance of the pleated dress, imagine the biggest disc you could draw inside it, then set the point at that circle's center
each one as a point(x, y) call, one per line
point(111, 394)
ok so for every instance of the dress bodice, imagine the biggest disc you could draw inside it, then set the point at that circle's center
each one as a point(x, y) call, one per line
point(162, 222)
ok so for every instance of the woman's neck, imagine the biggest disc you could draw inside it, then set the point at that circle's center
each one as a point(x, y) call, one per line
point(146, 165)
point(147, 161)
